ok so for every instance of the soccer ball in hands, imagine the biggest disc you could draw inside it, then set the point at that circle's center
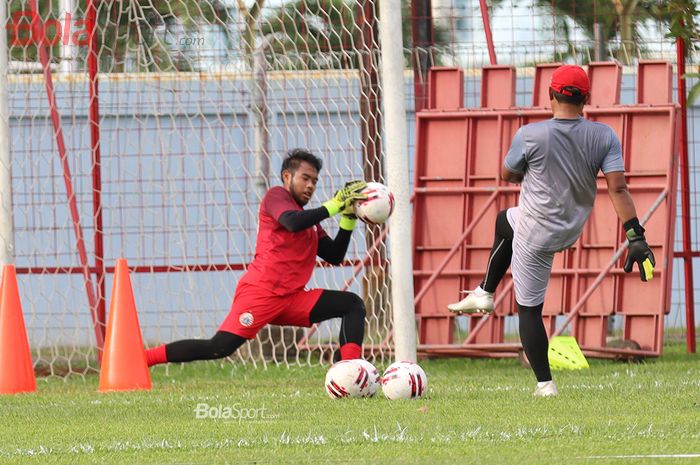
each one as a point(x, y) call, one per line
point(404, 380)
point(347, 378)
point(378, 205)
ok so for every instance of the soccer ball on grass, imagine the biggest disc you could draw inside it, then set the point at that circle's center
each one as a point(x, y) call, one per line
point(347, 378)
point(404, 380)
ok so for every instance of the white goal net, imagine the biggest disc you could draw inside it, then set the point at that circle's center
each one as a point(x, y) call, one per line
point(198, 101)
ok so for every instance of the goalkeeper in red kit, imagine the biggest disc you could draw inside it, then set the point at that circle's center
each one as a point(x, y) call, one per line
point(272, 291)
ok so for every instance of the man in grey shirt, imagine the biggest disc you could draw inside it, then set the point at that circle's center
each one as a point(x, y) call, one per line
point(557, 162)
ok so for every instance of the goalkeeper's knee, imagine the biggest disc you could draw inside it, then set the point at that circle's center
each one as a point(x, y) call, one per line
point(357, 305)
point(224, 344)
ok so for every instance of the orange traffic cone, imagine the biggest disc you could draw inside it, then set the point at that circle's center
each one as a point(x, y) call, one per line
point(16, 371)
point(124, 360)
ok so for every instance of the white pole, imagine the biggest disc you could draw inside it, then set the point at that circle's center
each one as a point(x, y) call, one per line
point(397, 177)
point(67, 47)
point(7, 241)
point(261, 120)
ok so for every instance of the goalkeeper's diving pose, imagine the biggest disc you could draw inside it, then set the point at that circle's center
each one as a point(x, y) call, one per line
point(273, 288)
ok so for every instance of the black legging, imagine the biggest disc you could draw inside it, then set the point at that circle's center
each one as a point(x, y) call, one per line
point(532, 333)
point(345, 305)
point(534, 339)
point(501, 253)
point(331, 304)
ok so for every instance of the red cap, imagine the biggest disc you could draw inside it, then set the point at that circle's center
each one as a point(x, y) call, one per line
point(567, 78)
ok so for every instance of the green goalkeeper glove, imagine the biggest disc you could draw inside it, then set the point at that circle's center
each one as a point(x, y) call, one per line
point(348, 218)
point(638, 251)
point(345, 197)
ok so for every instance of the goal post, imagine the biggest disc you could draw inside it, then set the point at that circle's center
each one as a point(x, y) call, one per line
point(397, 175)
point(6, 222)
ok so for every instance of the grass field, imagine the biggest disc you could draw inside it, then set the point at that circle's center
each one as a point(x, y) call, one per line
point(478, 411)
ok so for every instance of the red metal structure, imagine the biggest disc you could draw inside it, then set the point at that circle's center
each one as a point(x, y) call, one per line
point(101, 303)
point(98, 320)
point(458, 190)
point(687, 253)
point(487, 31)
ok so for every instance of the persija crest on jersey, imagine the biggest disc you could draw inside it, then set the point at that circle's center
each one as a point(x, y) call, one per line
point(246, 319)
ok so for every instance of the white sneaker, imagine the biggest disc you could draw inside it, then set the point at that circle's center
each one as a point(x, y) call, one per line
point(548, 389)
point(478, 301)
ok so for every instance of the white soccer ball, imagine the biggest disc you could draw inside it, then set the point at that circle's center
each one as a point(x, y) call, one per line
point(378, 206)
point(347, 378)
point(374, 380)
point(404, 380)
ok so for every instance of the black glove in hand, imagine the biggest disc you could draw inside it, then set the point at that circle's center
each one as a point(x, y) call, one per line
point(638, 252)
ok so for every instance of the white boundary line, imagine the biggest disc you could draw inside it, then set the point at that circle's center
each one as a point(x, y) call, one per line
point(648, 456)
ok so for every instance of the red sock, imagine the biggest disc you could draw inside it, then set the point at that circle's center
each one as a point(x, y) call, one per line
point(350, 351)
point(156, 355)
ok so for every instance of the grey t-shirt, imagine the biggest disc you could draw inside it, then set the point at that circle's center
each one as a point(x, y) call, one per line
point(560, 159)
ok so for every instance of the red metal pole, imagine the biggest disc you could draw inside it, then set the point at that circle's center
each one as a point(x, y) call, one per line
point(38, 32)
point(96, 171)
point(423, 42)
point(487, 31)
point(685, 200)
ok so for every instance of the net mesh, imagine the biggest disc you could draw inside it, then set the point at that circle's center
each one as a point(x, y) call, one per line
point(198, 103)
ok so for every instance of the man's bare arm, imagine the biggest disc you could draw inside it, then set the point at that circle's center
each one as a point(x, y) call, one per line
point(509, 176)
point(638, 249)
point(620, 196)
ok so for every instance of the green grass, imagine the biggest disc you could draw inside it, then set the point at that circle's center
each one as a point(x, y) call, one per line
point(478, 411)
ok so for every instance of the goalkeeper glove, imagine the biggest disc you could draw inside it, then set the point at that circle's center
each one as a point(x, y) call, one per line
point(345, 197)
point(638, 251)
point(348, 218)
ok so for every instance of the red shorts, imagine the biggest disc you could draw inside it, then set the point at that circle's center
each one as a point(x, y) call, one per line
point(253, 307)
